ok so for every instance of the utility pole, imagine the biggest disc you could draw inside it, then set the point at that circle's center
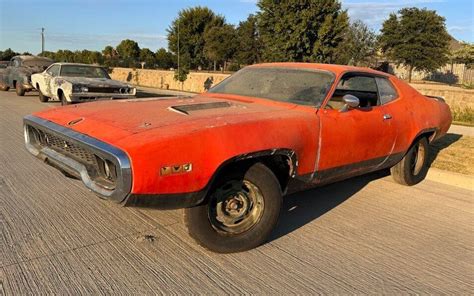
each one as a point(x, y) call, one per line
point(42, 40)
point(179, 73)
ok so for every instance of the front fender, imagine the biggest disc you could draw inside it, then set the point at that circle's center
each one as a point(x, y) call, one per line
point(208, 148)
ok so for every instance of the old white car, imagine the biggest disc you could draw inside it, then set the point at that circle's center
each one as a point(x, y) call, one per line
point(75, 83)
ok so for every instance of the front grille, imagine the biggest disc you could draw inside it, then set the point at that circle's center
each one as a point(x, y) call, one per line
point(103, 168)
point(65, 147)
point(108, 90)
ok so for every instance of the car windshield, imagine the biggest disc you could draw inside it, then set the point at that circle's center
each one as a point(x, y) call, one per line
point(36, 62)
point(299, 86)
point(83, 71)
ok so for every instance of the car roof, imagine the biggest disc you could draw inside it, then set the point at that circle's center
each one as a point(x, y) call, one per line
point(336, 69)
point(76, 64)
point(31, 57)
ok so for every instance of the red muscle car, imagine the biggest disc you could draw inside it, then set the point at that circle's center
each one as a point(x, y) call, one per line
point(229, 155)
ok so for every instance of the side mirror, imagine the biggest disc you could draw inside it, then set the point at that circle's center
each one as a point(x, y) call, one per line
point(350, 102)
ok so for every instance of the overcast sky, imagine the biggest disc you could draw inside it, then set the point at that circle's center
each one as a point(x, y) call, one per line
point(93, 24)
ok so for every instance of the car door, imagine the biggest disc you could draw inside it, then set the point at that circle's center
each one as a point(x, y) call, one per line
point(48, 77)
point(354, 140)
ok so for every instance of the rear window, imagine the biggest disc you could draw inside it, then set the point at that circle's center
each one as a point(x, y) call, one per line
point(358, 83)
point(37, 62)
point(387, 92)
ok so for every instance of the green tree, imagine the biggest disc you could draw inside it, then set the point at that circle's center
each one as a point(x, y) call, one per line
point(219, 44)
point(129, 52)
point(7, 54)
point(464, 55)
point(192, 23)
point(110, 56)
point(48, 54)
point(359, 46)
point(416, 38)
point(65, 56)
point(304, 30)
point(249, 46)
point(164, 59)
point(147, 56)
point(108, 52)
point(181, 75)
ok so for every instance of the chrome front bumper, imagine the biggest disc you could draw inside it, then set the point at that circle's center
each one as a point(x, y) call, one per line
point(92, 96)
point(37, 142)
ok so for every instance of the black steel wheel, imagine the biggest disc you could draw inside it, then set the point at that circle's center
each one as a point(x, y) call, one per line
point(240, 213)
point(412, 169)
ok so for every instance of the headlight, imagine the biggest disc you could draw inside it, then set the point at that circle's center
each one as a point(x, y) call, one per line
point(107, 169)
point(79, 88)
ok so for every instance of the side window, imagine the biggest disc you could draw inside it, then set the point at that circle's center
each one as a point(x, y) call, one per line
point(16, 63)
point(363, 87)
point(53, 70)
point(387, 92)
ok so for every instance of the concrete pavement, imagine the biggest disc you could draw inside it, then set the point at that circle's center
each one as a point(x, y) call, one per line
point(363, 235)
point(462, 130)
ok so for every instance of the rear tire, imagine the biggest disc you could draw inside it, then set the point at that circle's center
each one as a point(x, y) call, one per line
point(20, 91)
point(412, 169)
point(4, 87)
point(42, 98)
point(240, 213)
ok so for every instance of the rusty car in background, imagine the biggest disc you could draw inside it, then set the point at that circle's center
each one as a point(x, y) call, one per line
point(17, 74)
point(75, 83)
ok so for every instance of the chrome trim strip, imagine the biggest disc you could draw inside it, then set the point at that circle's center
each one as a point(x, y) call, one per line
point(123, 183)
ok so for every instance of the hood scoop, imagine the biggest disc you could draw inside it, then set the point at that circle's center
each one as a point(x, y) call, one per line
point(185, 109)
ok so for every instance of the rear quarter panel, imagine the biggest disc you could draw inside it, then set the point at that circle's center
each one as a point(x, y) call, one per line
point(414, 114)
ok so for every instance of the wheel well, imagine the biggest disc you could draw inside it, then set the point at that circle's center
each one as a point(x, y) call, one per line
point(281, 165)
point(429, 134)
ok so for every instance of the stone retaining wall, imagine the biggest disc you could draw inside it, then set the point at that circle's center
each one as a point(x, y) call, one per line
point(165, 79)
point(455, 96)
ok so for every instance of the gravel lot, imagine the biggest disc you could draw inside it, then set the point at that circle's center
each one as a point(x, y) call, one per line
point(364, 235)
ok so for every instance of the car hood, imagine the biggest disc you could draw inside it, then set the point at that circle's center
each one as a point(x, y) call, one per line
point(114, 120)
point(96, 82)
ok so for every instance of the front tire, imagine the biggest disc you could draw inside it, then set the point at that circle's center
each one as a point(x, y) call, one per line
point(20, 91)
point(63, 99)
point(240, 213)
point(42, 97)
point(412, 169)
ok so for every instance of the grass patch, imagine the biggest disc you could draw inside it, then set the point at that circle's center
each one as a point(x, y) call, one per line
point(463, 123)
point(463, 115)
point(453, 153)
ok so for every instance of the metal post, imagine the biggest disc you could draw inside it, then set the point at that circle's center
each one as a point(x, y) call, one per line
point(42, 40)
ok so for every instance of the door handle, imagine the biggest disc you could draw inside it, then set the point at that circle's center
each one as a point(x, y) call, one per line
point(387, 116)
